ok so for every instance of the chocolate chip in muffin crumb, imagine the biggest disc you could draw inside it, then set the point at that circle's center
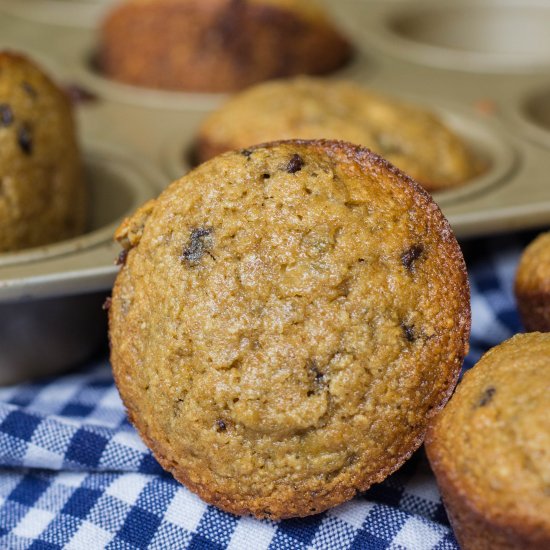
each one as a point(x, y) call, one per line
point(266, 176)
point(6, 115)
point(200, 243)
point(24, 139)
point(408, 331)
point(220, 425)
point(246, 153)
point(487, 396)
point(317, 378)
point(409, 257)
point(295, 164)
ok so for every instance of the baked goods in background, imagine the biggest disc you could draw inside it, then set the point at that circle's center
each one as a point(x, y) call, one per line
point(414, 139)
point(287, 320)
point(42, 190)
point(217, 45)
point(489, 449)
point(532, 285)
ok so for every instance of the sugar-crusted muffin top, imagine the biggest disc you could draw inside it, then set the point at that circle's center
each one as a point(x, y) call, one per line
point(287, 320)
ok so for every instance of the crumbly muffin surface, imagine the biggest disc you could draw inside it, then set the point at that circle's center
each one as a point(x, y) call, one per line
point(42, 192)
point(490, 447)
point(412, 138)
point(532, 285)
point(287, 320)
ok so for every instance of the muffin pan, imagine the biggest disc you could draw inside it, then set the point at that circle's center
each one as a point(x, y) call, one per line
point(51, 296)
point(484, 66)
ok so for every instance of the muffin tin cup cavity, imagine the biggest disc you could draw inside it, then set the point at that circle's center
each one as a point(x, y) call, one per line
point(80, 13)
point(531, 114)
point(489, 145)
point(484, 140)
point(115, 190)
point(481, 36)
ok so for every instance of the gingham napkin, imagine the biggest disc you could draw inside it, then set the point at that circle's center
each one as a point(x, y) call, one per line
point(74, 474)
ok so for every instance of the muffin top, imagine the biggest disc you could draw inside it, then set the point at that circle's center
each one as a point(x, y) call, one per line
point(42, 193)
point(491, 443)
point(412, 138)
point(217, 45)
point(288, 318)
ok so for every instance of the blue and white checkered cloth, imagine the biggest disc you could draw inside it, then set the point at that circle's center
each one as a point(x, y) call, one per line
point(74, 474)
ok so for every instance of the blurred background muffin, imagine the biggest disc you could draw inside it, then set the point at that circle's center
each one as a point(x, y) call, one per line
point(42, 191)
point(532, 286)
point(413, 139)
point(217, 45)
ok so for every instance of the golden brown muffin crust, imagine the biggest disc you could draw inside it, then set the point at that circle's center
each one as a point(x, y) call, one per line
point(217, 45)
point(414, 139)
point(532, 286)
point(490, 446)
point(287, 321)
point(42, 193)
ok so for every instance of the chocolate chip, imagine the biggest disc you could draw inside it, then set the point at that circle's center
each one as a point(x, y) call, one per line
point(200, 243)
point(487, 396)
point(246, 153)
point(295, 164)
point(107, 304)
point(121, 258)
point(266, 176)
point(220, 424)
point(78, 94)
point(411, 255)
point(316, 377)
point(29, 89)
point(6, 115)
point(408, 331)
point(24, 139)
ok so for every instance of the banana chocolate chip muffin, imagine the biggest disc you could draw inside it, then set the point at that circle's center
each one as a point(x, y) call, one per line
point(42, 191)
point(412, 138)
point(217, 45)
point(288, 319)
point(490, 449)
point(533, 285)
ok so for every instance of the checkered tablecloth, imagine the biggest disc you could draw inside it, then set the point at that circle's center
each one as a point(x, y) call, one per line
point(74, 474)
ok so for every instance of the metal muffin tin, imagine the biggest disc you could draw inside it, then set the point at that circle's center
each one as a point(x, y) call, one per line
point(483, 65)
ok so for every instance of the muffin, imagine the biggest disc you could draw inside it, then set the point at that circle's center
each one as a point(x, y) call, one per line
point(42, 191)
point(413, 139)
point(288, 319)
point(217, 45)
point(532, 286)
point(490, 449)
